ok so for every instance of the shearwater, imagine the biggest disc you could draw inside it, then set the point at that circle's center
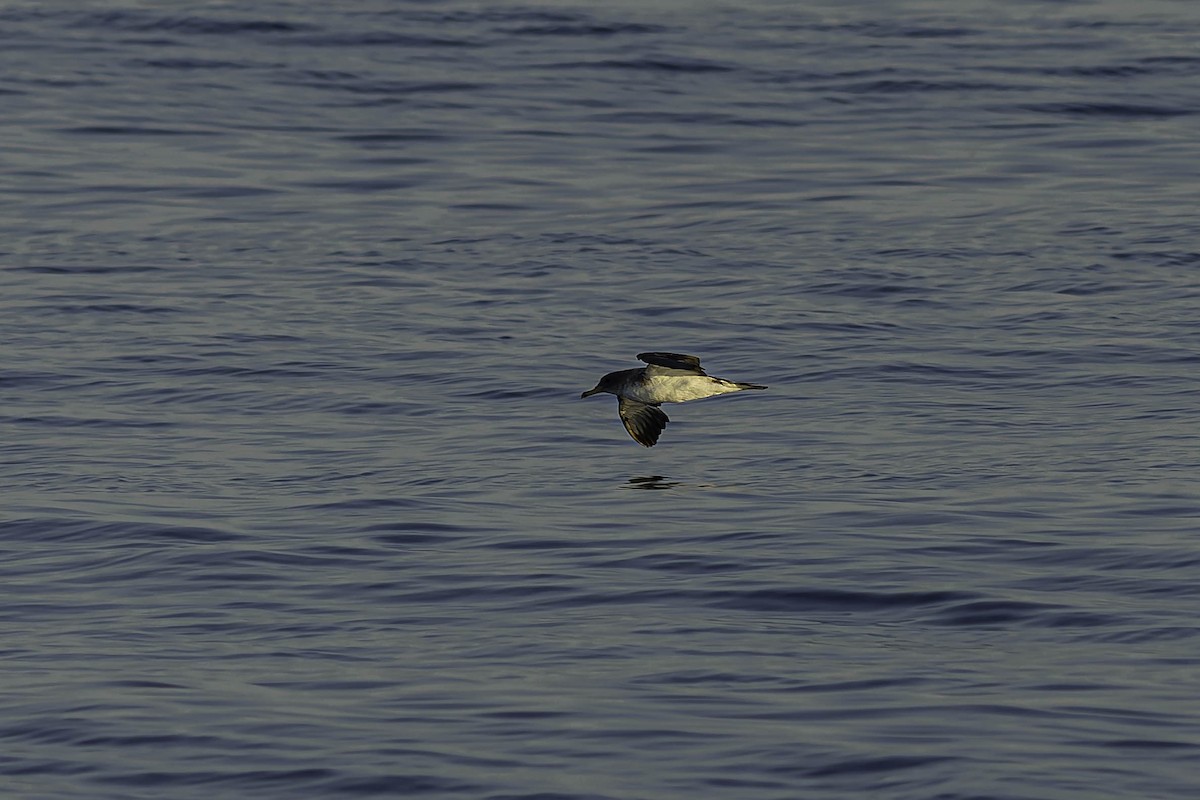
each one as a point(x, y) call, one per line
point(669, 378)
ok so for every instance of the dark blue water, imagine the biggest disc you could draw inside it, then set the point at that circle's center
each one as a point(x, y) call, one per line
point(300, 499)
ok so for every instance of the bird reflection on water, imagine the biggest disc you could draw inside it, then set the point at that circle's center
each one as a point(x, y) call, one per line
point(651, 482)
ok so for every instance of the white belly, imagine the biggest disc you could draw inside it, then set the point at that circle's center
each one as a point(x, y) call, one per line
point(679, 388)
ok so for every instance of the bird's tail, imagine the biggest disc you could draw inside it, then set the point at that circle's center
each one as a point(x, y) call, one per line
point(749, 386)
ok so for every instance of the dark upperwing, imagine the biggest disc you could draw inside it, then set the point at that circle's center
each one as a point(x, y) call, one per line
point(644, 422)
point(673, 361)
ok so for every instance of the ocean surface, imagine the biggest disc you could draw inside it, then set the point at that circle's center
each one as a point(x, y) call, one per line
point(300, 500)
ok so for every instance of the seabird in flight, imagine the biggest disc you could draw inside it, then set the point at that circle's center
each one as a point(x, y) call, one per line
point(669, 378)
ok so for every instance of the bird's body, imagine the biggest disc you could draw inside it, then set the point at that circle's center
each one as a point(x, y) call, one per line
point(668, 378)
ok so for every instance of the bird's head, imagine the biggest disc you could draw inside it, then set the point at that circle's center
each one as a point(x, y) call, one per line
point(607, 384)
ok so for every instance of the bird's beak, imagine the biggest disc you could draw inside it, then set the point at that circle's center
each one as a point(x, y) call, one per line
point(589, 393)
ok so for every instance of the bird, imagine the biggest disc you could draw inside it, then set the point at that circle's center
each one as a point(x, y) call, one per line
point(668, 378)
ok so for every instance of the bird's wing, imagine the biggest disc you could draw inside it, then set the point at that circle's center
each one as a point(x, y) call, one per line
point(671, 364)
point(644, 422)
